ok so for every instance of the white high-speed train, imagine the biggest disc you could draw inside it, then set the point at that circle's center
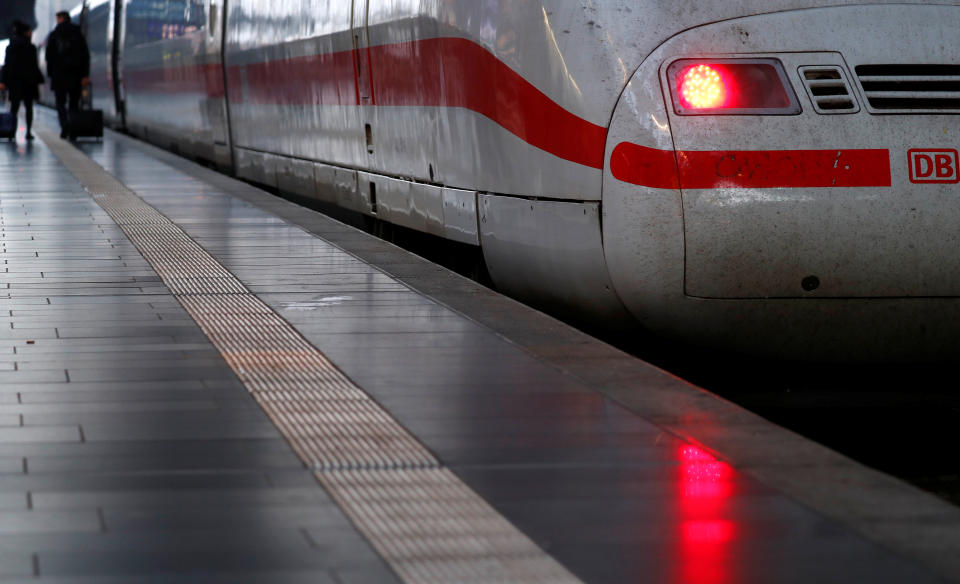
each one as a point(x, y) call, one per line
point(768, 175)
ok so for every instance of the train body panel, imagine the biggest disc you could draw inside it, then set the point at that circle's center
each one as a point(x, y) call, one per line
point(511, 98)
point(424, 118)
point(550, 253)
point(549, 134)
point(173, 77)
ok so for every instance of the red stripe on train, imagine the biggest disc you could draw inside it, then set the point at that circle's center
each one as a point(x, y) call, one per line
point(454, 72)
point(756, 169)
point(442, 72)
point(203, 79)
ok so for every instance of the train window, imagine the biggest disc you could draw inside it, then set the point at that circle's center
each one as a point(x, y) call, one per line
point(98, 16)
point(153, 20)
point(212, 24)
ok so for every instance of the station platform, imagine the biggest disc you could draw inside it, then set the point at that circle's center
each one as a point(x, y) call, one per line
point(202, 382)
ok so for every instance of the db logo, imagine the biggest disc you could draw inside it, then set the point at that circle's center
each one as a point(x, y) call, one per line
point(933, 166)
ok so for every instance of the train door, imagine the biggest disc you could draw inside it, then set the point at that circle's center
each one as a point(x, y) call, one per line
point(402, 129)
point(218, 106)
point(115, 64)
point(363, 76)
point(96, 20)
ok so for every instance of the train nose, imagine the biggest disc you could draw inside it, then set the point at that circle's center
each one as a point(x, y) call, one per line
point(856, 194)
point(818, 217)
point(879, 222)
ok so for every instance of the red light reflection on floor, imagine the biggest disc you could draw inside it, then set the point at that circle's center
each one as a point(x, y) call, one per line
point(704, 478)
point(710, 531)
point(705, 488)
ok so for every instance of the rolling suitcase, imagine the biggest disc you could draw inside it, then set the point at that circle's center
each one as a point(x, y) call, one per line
point(87, 122)
point(8, 126)
point(8, 123)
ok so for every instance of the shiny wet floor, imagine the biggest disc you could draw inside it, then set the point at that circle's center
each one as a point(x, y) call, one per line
point(129, 448)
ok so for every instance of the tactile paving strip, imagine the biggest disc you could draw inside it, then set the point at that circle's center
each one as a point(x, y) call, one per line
point(424, 521)
point(435, 529)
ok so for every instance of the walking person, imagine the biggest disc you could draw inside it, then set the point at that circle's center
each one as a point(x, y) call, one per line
point(68, 66)
point(21, 74)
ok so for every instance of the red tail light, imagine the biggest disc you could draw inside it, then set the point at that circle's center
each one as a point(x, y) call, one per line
point(702, 86)
point(731, 86)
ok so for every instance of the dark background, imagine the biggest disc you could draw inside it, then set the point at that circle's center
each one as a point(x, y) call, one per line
point(11, 10)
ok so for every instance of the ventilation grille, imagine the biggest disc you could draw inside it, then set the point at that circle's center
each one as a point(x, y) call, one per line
point(911, 88)
point(828, 90)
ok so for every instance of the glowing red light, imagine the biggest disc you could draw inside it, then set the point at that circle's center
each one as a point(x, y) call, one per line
point(702, 87)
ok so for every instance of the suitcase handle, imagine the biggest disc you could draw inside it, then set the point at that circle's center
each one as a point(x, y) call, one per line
point(86, 97)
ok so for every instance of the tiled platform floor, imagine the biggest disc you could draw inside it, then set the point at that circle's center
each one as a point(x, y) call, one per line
point(129, 449)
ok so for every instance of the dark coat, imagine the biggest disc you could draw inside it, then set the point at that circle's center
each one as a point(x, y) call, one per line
point(21, 73)
point(68, 58)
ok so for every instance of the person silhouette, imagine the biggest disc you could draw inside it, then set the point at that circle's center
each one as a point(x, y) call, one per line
point(21, 74)
point(68, 66)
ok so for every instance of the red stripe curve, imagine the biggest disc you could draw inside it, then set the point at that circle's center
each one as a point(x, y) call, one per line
point(456, 72)
point(693, 169)
point(648, 167)
point(441, 72)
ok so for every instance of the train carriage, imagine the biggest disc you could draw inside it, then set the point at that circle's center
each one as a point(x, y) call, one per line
point(776, 176)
